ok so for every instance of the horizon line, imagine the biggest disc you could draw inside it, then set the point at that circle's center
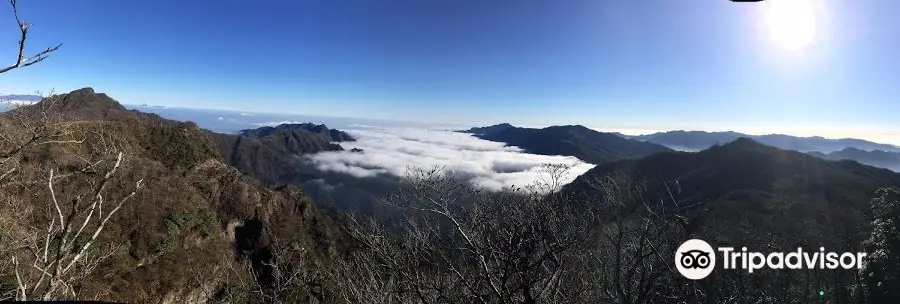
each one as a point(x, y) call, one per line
point(890, 139)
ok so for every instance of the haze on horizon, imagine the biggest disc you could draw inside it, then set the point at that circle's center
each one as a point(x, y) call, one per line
point(799, 67)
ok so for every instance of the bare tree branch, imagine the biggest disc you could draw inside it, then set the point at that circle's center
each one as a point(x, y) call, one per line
point(23, 60)
point(63, 252)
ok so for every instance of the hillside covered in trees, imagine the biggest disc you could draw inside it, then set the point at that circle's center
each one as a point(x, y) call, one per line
point(98, 202)
point(174, 209)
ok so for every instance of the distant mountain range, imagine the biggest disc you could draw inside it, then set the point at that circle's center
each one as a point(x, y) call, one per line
point(32, 98)
point(600, 147)
point(699, 140)
point(877, 158)
point(578, 141)
point(202, 208)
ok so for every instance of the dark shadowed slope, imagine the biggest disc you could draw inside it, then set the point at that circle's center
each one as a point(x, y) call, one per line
point(748, 194)
point(275, 156)
point(578, 141)
point(195, 214)
point(699, 140)
point(745, 164)
point(270, 153)
point(689, 140)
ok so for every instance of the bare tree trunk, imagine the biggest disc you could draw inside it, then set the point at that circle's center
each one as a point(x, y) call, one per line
point(53, 248)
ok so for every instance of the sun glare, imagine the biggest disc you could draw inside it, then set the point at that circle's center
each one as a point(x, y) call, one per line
point(791, 24)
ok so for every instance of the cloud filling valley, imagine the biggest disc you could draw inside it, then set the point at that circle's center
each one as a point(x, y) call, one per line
point(391, 151)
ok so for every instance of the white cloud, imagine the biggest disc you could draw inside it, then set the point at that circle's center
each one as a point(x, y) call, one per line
point(392, 150)
point(13, 102)
point(221, 118)
point(274, 123)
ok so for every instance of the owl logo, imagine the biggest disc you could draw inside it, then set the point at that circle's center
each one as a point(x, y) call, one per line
point(695, 259)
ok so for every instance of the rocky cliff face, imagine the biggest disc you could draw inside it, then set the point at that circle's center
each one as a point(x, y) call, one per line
point(196, 224)
point(270, 153)
point(282, 129)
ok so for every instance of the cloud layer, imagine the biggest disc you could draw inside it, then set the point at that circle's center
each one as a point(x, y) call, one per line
point(391, 151)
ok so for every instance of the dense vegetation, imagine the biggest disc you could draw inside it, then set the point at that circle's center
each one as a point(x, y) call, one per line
point(748, 194)
point(193, 227)
point(99, 202)
point(197, 229)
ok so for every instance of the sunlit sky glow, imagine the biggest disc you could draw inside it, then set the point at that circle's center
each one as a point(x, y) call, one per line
point(804, 67)
point(792, 24)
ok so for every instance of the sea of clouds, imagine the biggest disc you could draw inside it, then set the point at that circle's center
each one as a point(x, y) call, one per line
point(392, 147)
point(394, 150)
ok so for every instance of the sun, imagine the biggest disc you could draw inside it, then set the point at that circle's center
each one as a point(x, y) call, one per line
point(791, 24)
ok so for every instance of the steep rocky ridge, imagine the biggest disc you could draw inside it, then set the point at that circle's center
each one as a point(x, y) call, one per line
point(196, 216)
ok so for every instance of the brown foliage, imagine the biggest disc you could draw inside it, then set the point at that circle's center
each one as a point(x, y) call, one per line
point(193, 213)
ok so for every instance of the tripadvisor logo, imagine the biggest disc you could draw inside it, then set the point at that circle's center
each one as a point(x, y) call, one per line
point(695, 259)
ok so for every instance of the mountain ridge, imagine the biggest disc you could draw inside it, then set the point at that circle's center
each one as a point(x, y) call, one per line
point(877, 158)
point(746, 164)
point(270, 154)
point(201, 214)
point(571, 140)
point(21, 97)
point(193, 214)
point(724, 182)
point(745, 194)
point(699, 140)
point(488, 129)
point(334, 135)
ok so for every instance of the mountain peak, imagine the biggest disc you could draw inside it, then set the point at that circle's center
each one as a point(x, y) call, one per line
point(574, 140)
point(89, 103)
point(80, 104)
point(85, 90)
point(334, 135)
point(743, 140)
point(855, 150)
point(744, 143)
point(569, 127)
point(489, 129)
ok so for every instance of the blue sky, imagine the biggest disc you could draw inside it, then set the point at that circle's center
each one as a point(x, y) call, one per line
point(623, 65)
